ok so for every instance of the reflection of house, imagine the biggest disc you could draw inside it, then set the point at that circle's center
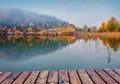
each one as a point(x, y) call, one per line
point(39, 33)
point(9, 33)
point(30, 33)
point(22, 33)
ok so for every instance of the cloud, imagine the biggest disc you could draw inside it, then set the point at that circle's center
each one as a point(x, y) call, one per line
point(78, 12)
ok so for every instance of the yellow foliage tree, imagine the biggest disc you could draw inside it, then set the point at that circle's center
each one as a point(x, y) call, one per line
point(17, 32)
point(103, 25)
point(30, 29)
point(112, 24)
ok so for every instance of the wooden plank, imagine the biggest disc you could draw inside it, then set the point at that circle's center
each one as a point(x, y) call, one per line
point(106, 77)
point(32, 78)
point(112, 74)
point(42, 77)
point(53, 77)
point(11, 78)
point(21, 78)
point(1, 73)
point(74, 79)
point(84, 77)
point(117, 71)
point(52, 83)
point(63, 77)
point(96, 79)
point(64, 82)
point(4, 76)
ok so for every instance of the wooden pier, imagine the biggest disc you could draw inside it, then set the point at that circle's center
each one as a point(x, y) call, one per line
point(105, 76)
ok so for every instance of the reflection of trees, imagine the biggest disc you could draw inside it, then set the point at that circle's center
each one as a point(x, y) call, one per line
point(113, 43)
point(109, 54)
point(24, 48)
point(110, 42)
point(86, 37)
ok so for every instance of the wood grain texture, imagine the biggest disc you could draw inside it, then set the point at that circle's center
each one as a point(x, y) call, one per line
point(4, 76)
point(21, 78)
point(53, 77)
point(32, 78)
point(11, 78)
point(106, 77)
point(84, 77)
point(42, 78)
point(63, 77)
point(112, 74)
point(95, 77)
point(117, 71)
point(74, 79)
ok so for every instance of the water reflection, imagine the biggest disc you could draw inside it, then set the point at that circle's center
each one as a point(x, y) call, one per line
point(11, 47)
point(112, 42)
point(85, 50)
point(26, 47)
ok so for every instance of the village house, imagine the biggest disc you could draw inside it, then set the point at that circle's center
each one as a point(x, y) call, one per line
point(85, 29)
point(93, 29)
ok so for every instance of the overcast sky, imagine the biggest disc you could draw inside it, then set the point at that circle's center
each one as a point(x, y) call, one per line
point(77, 12)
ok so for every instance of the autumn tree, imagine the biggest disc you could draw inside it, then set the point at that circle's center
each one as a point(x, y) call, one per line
point(30, 29)
point(103, 27)
point(112, 24)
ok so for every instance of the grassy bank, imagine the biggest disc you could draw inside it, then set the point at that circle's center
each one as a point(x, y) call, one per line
point(109, 34)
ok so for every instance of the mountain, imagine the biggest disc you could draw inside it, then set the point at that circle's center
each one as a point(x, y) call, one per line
point(25, 19)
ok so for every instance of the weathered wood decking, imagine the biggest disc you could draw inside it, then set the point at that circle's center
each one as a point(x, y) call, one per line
point(105, 76)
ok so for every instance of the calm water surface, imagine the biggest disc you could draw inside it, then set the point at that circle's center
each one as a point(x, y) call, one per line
point(56, 53)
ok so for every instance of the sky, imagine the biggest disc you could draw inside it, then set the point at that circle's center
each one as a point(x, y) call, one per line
point(77, 12)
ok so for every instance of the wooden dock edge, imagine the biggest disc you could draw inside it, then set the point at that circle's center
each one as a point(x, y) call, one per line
point(103, 76)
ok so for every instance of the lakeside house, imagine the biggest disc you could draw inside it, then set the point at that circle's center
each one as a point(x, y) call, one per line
point(85, 29)
point(93, 29)
point(69, 30)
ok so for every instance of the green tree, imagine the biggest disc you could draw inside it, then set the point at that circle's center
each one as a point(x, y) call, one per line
point(100, 30)
point(118, 28)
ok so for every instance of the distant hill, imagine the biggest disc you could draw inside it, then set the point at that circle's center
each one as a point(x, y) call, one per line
point(25, 19)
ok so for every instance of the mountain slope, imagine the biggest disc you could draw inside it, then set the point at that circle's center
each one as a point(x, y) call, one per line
point(23, 18)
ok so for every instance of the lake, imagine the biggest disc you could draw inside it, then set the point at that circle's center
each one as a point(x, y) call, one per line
point(57, 53)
